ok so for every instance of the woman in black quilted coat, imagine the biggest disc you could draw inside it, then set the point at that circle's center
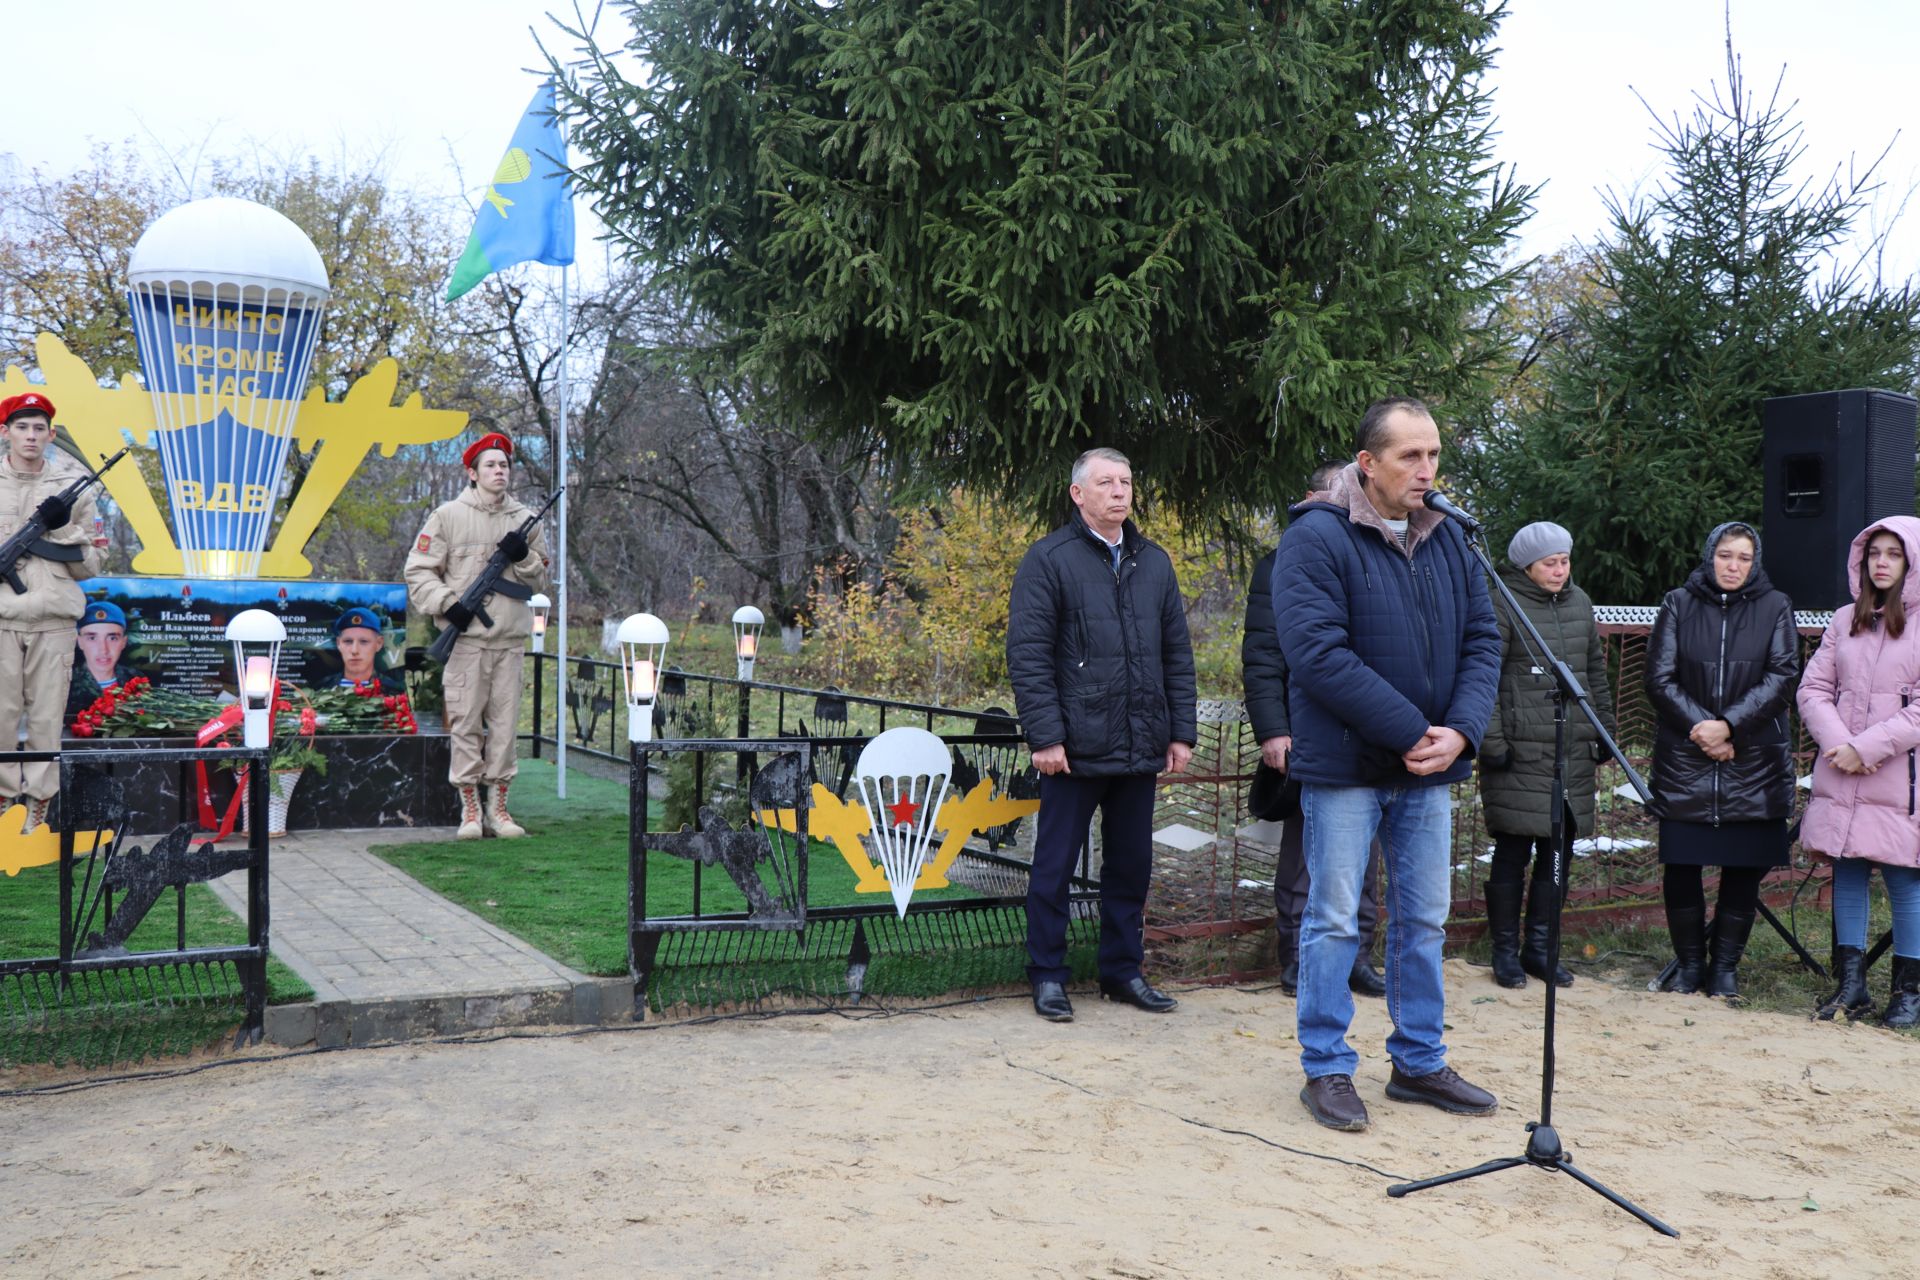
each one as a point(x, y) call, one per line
point(1516, 757)
point(1721, 668)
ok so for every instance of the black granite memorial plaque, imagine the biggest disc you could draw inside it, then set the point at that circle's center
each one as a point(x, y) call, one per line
point(372, 780)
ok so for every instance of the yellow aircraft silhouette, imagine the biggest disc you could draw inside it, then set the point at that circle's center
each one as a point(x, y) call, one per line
point(101, 418)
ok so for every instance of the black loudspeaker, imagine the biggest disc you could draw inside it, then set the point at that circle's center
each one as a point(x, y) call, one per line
point(1835, 462)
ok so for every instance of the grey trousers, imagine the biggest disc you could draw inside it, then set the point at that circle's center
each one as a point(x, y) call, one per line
point(1290, 883)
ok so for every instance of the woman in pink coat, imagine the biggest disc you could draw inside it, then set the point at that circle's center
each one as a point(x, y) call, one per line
point(1860, 698)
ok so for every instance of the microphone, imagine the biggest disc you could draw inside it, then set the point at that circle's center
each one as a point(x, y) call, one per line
point(1438, 501)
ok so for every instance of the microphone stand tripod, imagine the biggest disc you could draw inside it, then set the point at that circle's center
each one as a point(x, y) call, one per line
point(1544, 1150)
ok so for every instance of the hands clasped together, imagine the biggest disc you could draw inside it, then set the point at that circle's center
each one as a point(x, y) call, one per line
point(1715, 737)
point(1436, 751)
point(1053, 759)
point(1846, 759)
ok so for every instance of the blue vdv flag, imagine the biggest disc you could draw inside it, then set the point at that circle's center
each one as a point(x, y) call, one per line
point(527, 215)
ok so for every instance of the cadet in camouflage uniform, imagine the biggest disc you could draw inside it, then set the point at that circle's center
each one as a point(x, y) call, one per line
point(482, 679)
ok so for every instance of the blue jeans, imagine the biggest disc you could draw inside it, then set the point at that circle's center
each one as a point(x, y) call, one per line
point(1852, 883)
point(1415, 829)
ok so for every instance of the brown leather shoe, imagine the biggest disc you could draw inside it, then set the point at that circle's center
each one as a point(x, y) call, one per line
point(1332, 1101)
point(1443, 1089)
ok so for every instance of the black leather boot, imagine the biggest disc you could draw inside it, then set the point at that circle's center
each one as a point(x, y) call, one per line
point(1687, 926)
point(1730, 930)
point(1503, 931)
point(1852, 999)
point(1903, 1010)
point(1290, 964)
point(1533, 956)
point(1364, 979)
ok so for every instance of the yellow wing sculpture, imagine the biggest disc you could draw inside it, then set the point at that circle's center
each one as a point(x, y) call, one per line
point(831, 818)
point(100, 419)
point(41, 846)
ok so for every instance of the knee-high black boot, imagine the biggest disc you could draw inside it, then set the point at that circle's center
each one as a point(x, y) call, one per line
point(1903, 1010)
point(1852, 999)
point(1730, 930)
point(1687, 926)
point(1541, 904)
point(1503, 931)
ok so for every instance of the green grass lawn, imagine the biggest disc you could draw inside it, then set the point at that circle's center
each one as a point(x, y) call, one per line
point(128, 1015)
point(563, 889)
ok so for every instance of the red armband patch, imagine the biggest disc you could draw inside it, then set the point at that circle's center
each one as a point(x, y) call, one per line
point(424, 545)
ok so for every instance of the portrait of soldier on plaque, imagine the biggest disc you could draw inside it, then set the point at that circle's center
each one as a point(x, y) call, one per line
point(357, 659)
point(100, 663)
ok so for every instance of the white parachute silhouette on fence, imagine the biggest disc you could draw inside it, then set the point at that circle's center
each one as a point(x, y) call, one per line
point(902, 780)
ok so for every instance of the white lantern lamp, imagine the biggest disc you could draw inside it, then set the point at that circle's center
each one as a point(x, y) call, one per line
point(541, 607)
point(643, 644)
point(747, 624)
point(257, 636)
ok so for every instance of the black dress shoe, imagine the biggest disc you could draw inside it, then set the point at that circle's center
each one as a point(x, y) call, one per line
point(1365, 979)
point(1136, 992)
point(1050, 1002)
point(1332, 1101)
point(1290, 978)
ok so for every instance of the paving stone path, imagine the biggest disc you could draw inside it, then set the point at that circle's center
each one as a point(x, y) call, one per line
point(389, 958)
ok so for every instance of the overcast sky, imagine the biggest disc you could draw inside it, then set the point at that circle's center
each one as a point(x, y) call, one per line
point(437, 87)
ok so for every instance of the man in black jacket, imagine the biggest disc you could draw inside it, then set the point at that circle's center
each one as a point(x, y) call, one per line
point(1263, 670)
point(1102, 674)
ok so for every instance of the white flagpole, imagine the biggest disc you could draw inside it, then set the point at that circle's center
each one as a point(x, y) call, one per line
point(560, 563)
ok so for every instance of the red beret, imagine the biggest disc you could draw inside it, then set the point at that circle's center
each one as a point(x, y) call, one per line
point(492, 440)
point(32, 401)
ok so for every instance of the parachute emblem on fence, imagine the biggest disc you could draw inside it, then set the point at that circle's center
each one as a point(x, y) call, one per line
point(960, 817)
point(901, 777)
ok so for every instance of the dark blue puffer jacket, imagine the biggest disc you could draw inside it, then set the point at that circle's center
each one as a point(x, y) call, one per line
point(1379, 643)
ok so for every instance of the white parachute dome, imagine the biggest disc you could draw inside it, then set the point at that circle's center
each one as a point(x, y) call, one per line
point(902, 778)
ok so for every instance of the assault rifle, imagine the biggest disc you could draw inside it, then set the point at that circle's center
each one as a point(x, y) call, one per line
point(30, 539)
point(474, 598)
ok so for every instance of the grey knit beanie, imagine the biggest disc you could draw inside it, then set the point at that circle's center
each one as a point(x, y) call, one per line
point(1537, 541)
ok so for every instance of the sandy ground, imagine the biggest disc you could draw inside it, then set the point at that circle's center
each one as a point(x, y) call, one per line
point(981, 1141)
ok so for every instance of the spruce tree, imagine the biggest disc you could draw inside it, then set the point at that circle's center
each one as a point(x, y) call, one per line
point(988, 234)
point(1727, 285)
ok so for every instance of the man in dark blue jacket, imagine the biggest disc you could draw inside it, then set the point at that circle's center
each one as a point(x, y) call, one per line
point(1394, 661)
point(1102, 674)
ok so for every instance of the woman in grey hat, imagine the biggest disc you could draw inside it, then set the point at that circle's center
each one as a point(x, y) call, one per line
point(1516, 758)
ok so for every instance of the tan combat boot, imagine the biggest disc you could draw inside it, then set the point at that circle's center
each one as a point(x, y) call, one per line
point(36, 814)
point(499, 821)
point(469, 812)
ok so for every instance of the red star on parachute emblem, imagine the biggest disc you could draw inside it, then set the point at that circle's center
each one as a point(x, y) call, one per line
point(903, 811)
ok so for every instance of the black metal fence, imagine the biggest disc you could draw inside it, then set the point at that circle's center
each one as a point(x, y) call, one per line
point(693, 705)
point(122, 985)
point(1211, 910)
point(764, 900)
